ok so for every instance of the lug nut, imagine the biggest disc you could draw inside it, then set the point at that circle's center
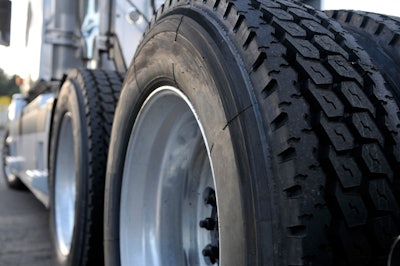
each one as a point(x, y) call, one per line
point(208, 224)
point(211, 253)
point(209, 197)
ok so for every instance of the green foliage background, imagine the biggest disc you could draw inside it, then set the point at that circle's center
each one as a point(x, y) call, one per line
point(7, 84)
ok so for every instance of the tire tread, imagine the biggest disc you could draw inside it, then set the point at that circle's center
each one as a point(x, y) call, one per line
point(333, 125)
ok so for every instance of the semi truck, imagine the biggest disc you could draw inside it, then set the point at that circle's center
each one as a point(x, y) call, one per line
point(212, 132)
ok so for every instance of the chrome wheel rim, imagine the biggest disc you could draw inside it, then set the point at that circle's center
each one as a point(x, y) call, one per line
point(64, 186)
point(168, 210)
point(6, 154)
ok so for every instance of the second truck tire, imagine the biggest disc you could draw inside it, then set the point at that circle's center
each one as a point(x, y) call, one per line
point(79, 146)
point(251, 133)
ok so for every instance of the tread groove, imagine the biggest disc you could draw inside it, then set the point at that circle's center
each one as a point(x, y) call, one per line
point(279, 121)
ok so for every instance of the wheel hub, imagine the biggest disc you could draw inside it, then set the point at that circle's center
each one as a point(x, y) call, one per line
point(168, 213)
point(211, 251)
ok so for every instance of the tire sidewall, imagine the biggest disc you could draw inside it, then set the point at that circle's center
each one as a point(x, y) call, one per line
point(70, 101)
point(211, 78)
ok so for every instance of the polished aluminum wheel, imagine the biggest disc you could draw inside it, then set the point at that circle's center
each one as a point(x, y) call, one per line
point(168, 211)
point(65, 185)
point(6, 154)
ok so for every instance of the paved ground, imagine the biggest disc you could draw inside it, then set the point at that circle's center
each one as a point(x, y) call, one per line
point(24, 228)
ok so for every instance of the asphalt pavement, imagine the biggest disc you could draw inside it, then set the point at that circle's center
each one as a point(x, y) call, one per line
point(24, 228)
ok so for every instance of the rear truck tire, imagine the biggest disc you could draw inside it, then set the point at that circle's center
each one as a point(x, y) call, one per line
point(379, 35)
point(251, 133)
point(11, 179)
point(79, 145)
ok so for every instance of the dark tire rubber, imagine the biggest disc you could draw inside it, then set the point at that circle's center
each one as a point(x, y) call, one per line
point(12, 180)
point(89, 98)
point(312, 125)
point(379, 35)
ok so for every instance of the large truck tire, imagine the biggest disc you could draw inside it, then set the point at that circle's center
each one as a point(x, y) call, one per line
point(379, 35)
point(251, 133)
point(11, 179)
point(79, 144)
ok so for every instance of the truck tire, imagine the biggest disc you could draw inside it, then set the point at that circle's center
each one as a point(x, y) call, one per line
point(251, 133)
point(379, 35)
point(79, 145)
point(12, 180)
